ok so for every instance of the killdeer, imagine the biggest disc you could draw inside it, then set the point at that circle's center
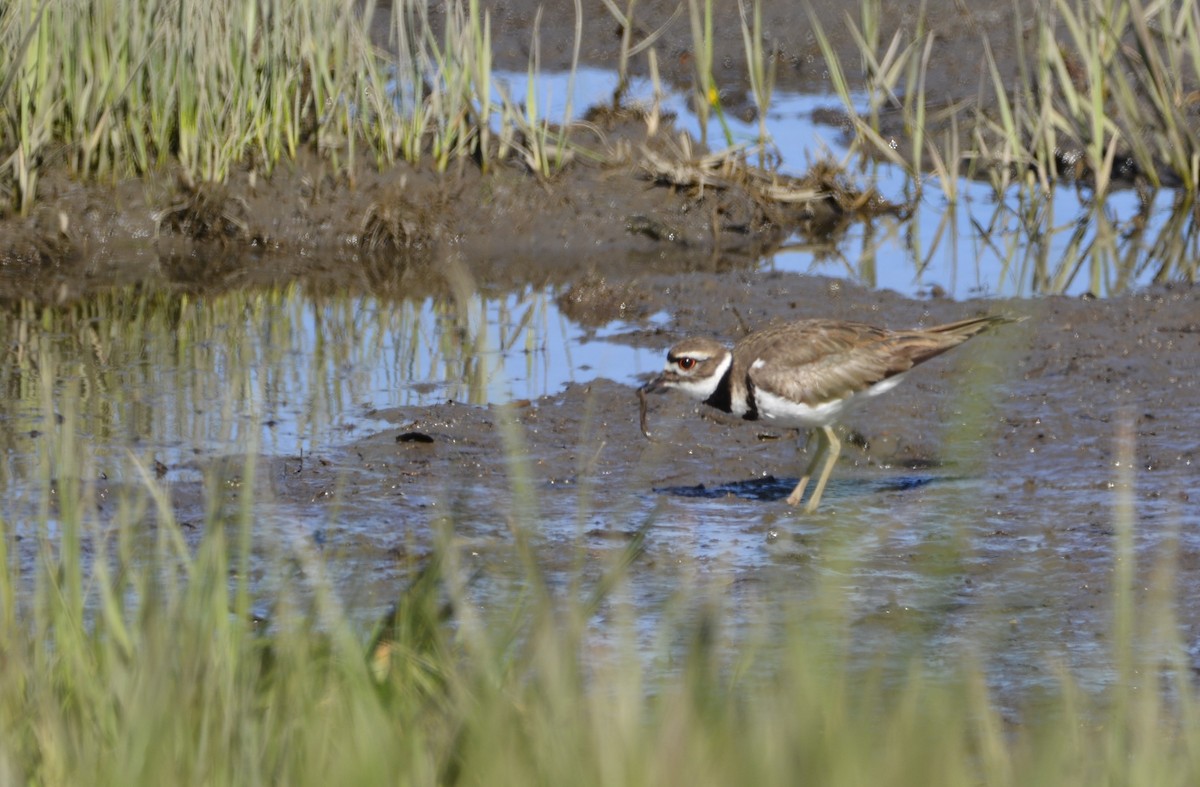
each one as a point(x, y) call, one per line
point(805, 375)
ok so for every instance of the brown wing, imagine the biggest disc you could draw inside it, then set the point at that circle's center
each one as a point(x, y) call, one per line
point(818, 360)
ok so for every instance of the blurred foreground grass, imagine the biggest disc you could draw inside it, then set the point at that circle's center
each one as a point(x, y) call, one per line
point(129, 658)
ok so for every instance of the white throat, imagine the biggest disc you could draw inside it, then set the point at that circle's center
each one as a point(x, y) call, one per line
point(703, 387)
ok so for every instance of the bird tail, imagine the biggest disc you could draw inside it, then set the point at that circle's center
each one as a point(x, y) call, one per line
point(919, 346)
point(965, 329)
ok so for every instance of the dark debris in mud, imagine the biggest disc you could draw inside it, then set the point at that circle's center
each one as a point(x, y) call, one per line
point(205, 212)
point(414, 437)
point(772, 489)
point(594, 301)
point(403, 220)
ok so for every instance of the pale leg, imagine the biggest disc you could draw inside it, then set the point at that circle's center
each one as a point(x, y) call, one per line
point(797, 493)
point(834, 447)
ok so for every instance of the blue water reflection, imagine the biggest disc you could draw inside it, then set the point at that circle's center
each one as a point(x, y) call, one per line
point(1029, 242)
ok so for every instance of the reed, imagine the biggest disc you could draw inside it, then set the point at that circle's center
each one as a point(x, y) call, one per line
point(706, 94)
point(1103, 96)
point(760, 65)
point(119, 88)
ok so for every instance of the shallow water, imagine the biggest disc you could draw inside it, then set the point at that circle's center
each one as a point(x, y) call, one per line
point(289, 372)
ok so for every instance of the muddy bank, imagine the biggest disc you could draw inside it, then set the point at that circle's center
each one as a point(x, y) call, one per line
point(648, 207)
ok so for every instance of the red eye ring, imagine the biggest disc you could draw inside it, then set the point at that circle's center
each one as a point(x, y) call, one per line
point(686, 363)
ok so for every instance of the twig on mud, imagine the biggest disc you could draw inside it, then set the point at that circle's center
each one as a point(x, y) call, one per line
point(727, 169)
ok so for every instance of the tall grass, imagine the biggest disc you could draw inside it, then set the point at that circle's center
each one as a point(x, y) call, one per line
point(706, 94)
point(1104, 92)
point(114, 88)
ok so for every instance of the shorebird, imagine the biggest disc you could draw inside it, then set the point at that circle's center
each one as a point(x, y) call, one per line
point(805, 375)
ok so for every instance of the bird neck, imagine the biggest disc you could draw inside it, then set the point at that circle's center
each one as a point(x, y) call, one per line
point(734, 394)
point(722, 396)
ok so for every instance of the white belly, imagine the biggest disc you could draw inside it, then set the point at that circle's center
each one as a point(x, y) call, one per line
point(782, 412)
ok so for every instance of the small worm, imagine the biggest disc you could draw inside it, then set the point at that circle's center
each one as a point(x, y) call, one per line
point(642, 413)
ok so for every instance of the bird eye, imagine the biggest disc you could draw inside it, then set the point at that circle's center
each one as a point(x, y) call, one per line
point(686, 363)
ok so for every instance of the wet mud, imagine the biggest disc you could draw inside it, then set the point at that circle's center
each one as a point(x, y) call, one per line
point(980, 500)
point(976, 508)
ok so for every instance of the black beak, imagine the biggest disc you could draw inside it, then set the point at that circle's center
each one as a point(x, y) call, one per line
point(654, 386)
